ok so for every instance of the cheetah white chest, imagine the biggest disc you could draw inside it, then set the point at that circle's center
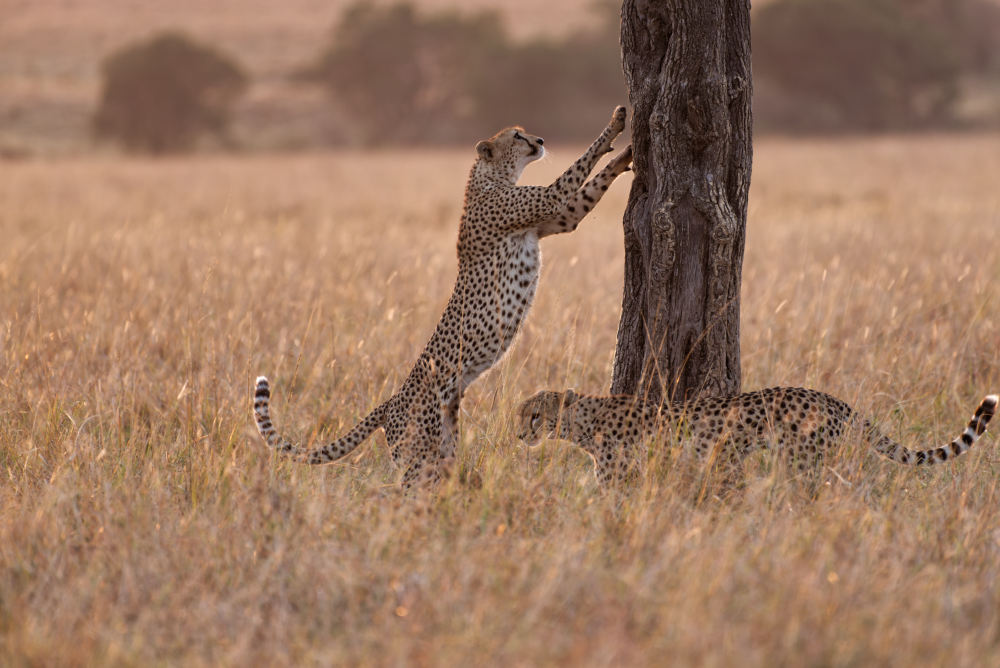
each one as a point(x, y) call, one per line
point(520, 265)
point(493, 311)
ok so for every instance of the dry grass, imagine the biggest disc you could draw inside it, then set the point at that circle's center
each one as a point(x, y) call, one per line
point(143, 521)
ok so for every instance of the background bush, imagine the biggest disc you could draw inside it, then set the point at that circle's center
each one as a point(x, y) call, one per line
point(819, 65)
point(162, 94)
point(397, 75)
point(869, 65)
point(410, 77)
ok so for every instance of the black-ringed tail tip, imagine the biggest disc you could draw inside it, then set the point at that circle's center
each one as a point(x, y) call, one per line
point(262, 416)
point(977, 426)
point(261, 394)
point(959, 446)
point(261, 410)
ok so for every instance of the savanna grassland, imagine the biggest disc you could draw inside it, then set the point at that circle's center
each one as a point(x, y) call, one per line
point(142, 521)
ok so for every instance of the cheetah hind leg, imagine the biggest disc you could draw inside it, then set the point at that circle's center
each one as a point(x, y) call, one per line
point(427, 444)
point(427, 474)
point(449, 418)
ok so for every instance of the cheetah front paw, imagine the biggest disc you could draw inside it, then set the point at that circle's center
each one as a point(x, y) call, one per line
point(620, 163)
point(617, 123)
point(615, 127)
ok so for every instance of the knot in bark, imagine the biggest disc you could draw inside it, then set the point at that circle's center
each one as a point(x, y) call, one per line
point(664, 243)
point(659, 122)
point(661, 219)
point(723, 231)
point(737, 86)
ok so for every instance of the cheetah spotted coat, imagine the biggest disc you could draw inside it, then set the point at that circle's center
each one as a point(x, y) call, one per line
point(801, 424)
point(498, 266)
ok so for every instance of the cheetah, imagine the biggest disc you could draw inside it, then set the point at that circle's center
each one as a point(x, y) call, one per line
point(498, 267)
point(801, 424)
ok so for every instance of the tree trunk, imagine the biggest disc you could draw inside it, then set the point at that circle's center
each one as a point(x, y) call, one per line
point(687, 68)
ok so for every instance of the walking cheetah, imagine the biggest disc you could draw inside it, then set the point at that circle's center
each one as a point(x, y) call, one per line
point(498, 265)
point(803, 424)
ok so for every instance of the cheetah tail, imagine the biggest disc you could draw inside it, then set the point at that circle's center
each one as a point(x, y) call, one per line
point(977, 427)
point(330, 452)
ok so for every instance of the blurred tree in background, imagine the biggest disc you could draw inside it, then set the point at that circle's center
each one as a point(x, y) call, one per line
point(405, 76)
point(161, 95)
point(396, 74)
point(408, 77)
point(869, 65)
point(558, 87)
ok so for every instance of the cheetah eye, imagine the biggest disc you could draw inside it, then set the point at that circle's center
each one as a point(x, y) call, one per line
point(535, 420)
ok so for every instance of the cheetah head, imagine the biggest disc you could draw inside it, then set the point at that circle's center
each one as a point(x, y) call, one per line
point(510, 150)
point(539, 416)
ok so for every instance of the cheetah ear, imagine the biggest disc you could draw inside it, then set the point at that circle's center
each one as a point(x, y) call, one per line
point(485, 149)
point(569, 397)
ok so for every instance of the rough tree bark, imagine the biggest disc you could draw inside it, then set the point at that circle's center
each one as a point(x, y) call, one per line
point(687, 68)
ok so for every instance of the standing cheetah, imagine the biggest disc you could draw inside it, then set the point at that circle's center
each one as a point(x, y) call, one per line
point(498, 265)
point(802, 424)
